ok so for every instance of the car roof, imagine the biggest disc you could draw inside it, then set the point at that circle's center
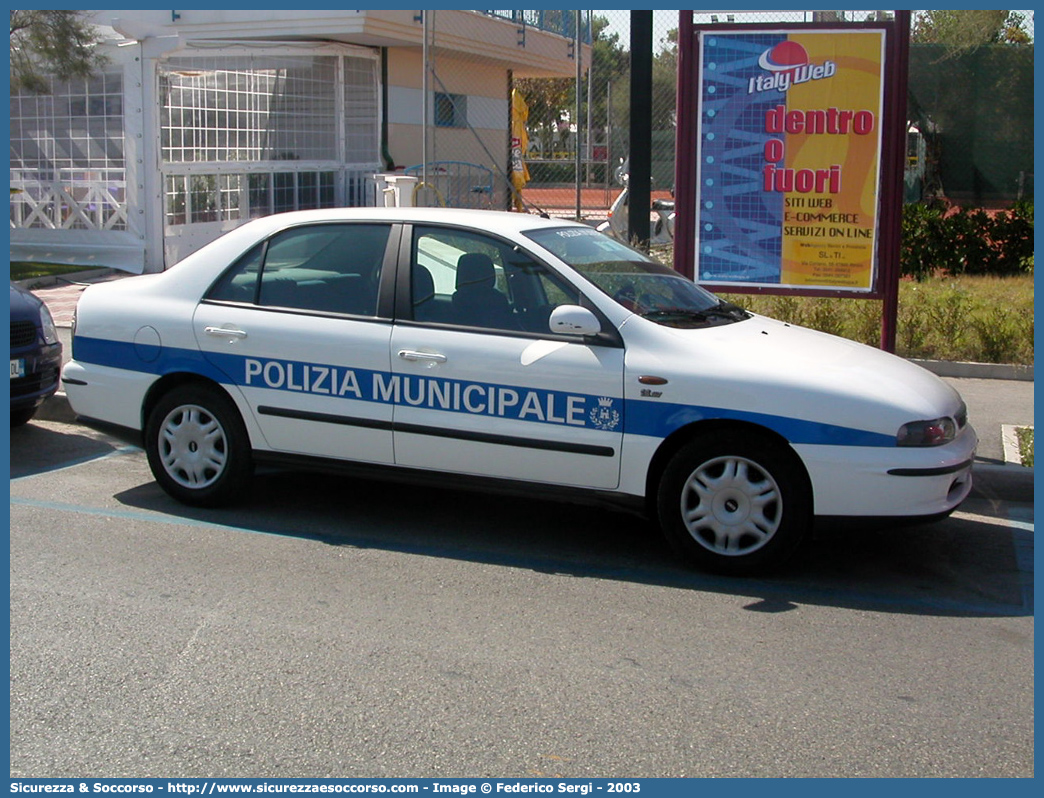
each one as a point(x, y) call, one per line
point(238, 240)
point(491, 221)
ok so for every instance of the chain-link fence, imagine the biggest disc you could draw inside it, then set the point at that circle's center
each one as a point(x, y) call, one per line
point(464, 156)
point(971, 123)
point(579, 129)
point(572, 93)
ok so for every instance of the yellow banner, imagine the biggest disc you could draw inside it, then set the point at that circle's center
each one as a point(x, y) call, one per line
point(519, 146)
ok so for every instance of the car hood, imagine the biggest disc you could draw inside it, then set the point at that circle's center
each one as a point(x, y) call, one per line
point(24, 305)
point(807, 374)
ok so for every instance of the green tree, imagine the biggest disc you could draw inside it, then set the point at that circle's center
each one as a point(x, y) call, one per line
point(967, 30)
point(664, 89)
point(46, 43)
point(610, 72)
point(549, 100)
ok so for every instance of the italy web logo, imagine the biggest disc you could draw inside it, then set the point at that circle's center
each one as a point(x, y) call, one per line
point(787, 64)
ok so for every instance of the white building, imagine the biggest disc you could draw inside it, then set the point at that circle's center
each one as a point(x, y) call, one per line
point(204, 119)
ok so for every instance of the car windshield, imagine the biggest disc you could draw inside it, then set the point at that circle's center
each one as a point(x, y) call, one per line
point(636, 281)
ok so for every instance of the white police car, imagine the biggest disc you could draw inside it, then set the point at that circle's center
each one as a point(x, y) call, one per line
point(512, 350)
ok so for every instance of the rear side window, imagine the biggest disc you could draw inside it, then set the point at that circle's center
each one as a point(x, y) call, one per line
point(330, 268)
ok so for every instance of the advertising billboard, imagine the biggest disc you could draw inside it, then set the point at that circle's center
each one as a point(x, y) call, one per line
point(789, 158)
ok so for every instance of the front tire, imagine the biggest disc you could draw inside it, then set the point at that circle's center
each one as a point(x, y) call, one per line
point(20, 418)
point(734, 502)
point(197, 446)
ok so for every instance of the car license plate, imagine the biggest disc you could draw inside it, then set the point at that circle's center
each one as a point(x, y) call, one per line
point(17, 368)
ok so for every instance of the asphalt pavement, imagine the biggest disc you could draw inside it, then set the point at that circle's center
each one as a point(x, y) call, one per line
point(999, 398)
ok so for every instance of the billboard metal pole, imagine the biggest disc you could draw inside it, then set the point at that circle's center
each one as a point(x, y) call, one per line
point(685, 151)
point(892, 178)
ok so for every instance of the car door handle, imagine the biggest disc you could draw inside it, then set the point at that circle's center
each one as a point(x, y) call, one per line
point(225, 332)
point(412, 356)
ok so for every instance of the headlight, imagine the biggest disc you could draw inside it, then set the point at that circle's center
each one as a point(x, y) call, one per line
point(927, 433)
point(50, 333)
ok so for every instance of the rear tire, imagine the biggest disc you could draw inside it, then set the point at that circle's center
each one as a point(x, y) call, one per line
point(734, 502)
point(198, 447)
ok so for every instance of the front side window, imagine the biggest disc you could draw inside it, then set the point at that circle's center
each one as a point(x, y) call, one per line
point(332, 268)
point(636, 281)
point(472, 280)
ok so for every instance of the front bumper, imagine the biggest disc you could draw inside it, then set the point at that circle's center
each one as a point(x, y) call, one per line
point(891, 482)
point(40, 380)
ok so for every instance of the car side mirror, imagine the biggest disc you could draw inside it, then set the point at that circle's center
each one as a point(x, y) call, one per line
point(574, 320)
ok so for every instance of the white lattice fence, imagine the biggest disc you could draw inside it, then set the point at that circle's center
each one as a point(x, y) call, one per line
point(69, 204)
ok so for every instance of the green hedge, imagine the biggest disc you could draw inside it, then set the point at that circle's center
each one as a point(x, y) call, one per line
point(981, 319)
point(938, 239)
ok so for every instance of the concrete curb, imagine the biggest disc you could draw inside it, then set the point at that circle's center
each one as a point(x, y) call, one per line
point(982, 371)
point(71, 277)
point(1010, 443)
point(1007, 482)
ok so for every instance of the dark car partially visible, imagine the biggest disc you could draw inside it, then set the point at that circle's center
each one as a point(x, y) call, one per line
point(36, 355)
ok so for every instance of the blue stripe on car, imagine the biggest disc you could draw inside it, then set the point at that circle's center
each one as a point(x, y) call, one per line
point(656, 419)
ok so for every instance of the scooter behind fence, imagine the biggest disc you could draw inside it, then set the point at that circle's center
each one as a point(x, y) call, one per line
point(661, 230)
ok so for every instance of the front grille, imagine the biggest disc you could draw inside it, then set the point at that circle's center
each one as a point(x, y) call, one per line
point(23, 333)
point(34, 383)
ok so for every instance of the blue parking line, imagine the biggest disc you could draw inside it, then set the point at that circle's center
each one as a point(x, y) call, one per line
point(1020, 521)
point(136, 515)
point(79, 461)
